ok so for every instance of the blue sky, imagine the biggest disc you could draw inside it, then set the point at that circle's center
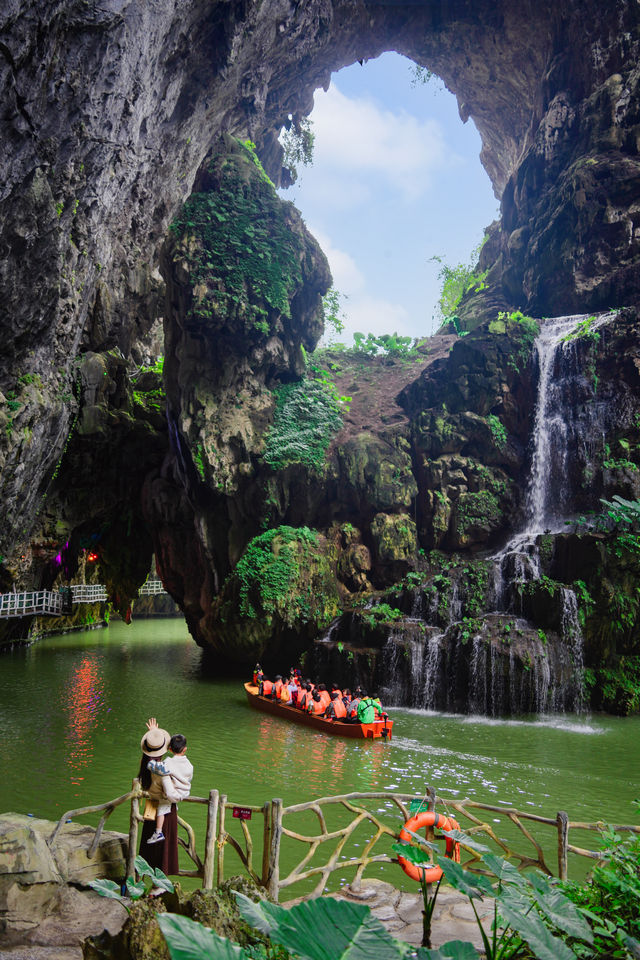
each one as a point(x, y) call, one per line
point(396, 179)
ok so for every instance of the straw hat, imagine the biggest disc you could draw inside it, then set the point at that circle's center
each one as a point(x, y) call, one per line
point(155, 742)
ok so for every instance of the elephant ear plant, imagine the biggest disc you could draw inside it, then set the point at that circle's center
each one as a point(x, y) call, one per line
point(150, 878)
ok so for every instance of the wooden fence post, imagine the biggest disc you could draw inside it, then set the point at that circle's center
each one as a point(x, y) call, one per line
point(220, 840)
point(133, 827)
point(266, 842)
point(562, 820)
point(273, 880)
point(210, 841)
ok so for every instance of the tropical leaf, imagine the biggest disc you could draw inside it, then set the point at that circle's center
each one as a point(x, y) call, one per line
point(504, 871)
point(141, 866)
point(256, 914)
point(413, 854)
point(421, 840)
point(453, 950)
point(107, 888)
point(136, 888)
point(188, 940)
point(461, 837)
point(632, 945)
point(161, 880)
point(559, 910)
point(473, 886)
point(530, 927)
point(326, 929)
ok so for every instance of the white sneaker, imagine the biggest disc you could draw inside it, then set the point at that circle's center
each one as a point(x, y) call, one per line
point(156, 837)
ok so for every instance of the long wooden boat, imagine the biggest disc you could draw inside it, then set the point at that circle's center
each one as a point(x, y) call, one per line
point(379, 729)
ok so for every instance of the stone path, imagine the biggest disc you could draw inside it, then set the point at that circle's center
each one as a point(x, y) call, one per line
point(401, 913)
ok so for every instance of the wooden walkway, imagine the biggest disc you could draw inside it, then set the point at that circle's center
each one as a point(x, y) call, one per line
point(57, 603)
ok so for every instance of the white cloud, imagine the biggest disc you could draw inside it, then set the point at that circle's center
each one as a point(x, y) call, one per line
point(353, 135)
point(367, 314)
point(347, 276)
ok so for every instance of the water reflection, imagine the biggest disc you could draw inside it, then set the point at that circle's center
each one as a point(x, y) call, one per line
point(82, 701)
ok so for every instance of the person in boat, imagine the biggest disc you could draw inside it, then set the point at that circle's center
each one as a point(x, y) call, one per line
point(293, 691)
point(352, 708)
point(285, 695)
point(369, 709)
point(316, 706)
point(346, 696)
point(277, 687)
point(257, 675)
point(266, 687)
point(336, 709)
point(325, 696)
point(335, 689)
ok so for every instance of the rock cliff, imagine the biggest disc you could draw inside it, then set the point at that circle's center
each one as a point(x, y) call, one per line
point(132, 202)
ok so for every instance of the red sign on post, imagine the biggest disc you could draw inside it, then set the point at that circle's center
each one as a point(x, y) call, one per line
point(242, 813)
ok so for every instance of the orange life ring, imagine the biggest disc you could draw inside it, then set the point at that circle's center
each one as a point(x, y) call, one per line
point(429, 818)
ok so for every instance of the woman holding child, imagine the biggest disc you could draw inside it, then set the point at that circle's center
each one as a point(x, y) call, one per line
point(166, 786)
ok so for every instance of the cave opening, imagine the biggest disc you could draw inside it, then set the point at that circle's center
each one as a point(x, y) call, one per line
point(394, 190)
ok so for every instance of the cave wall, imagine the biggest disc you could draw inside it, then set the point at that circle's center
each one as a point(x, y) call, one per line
point(110, 113)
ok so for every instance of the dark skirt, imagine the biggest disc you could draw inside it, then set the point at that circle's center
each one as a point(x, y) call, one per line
point(165, 853)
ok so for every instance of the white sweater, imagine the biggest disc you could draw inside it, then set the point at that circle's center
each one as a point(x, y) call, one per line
point(171, 779)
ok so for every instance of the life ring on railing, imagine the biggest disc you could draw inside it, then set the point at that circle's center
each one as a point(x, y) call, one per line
point(429, 818)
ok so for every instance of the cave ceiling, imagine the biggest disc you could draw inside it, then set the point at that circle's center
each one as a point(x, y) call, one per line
point(111, 108)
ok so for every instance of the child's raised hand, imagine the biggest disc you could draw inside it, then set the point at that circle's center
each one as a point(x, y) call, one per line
point(152, 723)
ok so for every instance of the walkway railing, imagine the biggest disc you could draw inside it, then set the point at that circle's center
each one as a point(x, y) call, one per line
point(38, 602)
point(374, 819)
point(51, 603)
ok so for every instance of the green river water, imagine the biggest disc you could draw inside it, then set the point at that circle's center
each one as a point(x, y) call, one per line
point(73, 711)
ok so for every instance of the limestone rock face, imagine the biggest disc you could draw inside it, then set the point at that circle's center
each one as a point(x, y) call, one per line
point(32, 873)
point(117, 115)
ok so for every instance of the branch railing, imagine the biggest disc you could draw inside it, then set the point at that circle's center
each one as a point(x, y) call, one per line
point(330, 841)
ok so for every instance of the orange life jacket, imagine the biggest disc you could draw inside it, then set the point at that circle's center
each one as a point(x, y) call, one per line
point(339, 709)
point(325, 697)
point(316, 707)
point(277, 688)
point(267, 687)
point(302, 699)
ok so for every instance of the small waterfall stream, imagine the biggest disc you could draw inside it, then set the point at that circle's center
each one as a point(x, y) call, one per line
point(559, 427)
point(493, 660)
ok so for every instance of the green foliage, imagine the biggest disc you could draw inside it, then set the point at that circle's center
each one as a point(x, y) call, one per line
point(298, 142)
point(333, 314)
point(242, 255)
point(586, 603)
point(620, 685)
point(611, 896)
point(498, 431)
point(306, 418)
point(533, 916)
point(458, 280)
point(389, 344)
point(583, 329)
point(149, 877)
point(381, 613)
point(284, 572)
point(476, 508)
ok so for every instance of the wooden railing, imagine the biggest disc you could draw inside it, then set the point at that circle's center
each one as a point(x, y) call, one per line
point(330, 841)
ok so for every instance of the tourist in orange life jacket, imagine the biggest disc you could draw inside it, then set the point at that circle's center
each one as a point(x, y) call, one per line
point(325, 696)
point(266, 687)
point(335, 688)
point(277, 687)
point(336, 709)
point(352, 709)
point(304, 695)
point(316, 706)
